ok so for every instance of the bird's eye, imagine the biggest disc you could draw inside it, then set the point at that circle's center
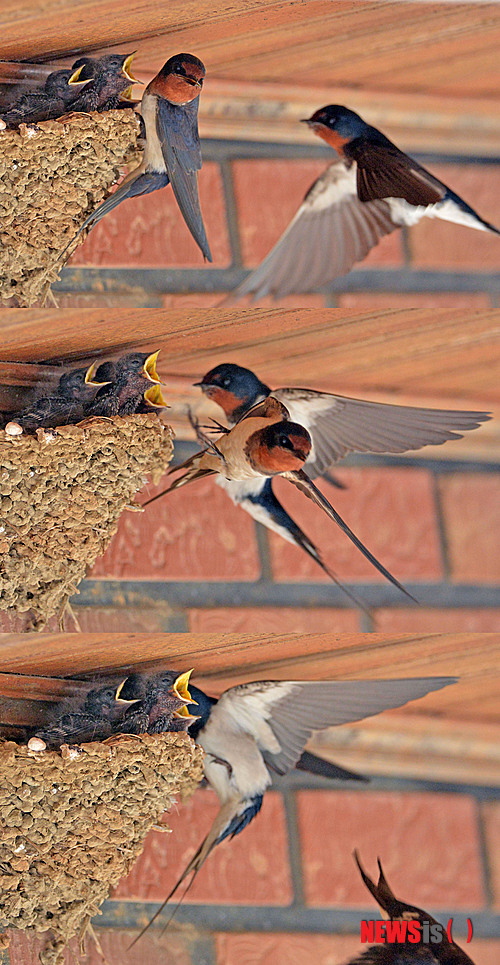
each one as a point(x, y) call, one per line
point(285, 443)
point(226, 381)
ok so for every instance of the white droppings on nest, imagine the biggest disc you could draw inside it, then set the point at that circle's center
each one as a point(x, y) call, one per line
point(13, 429)
point(71, 753)
point(31, 131)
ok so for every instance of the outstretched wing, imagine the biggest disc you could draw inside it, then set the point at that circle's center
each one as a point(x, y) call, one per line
point(177, 127)
point(339, 425)
point(331, 231)
point(282, 715)
point(383, 171)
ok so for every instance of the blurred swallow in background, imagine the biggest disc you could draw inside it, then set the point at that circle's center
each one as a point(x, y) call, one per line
point(263, 444)
point(172, 155)
point(66, 406)
point(262, 727)
point(370, 191)
point(438, 950)
point(52, 101)
point(130, 378)
point(109, 80)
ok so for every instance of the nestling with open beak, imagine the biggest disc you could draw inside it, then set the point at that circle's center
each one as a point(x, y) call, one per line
point(370, 191)
point(131, 378)
point(52, 101)
point(110, 81)
point(67, 405)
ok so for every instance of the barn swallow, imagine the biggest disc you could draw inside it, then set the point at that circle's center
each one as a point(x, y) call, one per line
point(153, 704)
point(169, 109)
point(132, 376)
point(66, 406)
point(263, 726)
point(438, 951)
point(337, 425)
point(108, 79)
point(91, 719)
point(370, 191)
point(52, 101)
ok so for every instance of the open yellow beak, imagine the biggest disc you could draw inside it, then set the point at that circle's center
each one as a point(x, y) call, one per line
point(120, 700)
point(126, 95)
point(154, 397)
point(74, 80)
point(89, 376)
point(150, 367)
point(183, 713)
point(127, 63)
point(181, 690)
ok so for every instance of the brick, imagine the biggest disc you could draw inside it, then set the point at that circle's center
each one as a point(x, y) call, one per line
point(250, 869)
point(271, 620)
point(193, 534)
point(284, 949)
point(437, 621)
point(490, 811)
point(438, 244)
point(471, 512)
point(391, 510)
point(366, 301)
point(425, 843)
point(24, 949)
point(269, 192)
point(150, 232)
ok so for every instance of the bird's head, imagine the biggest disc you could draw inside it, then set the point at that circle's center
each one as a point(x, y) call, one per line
point(281, 447)
point(336, 125)
point(232, 387)
point(138, 363)
point(74, 384)
point(180, 80)
point(58, 83)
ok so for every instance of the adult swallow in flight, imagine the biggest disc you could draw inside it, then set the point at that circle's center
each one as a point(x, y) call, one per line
point(52, 101)
point(133, 375)
point(260, 727)
point(67, 405)
point(172, 155)
point(263, 444)
point(109, 79)
point(439, 951)
point(370, 191)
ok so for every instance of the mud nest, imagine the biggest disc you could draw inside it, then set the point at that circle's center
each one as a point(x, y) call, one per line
point(61, 495)
point(74, 820)
point(52, 175)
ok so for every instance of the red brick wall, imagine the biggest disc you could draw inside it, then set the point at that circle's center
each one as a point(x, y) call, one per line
point(292, 869)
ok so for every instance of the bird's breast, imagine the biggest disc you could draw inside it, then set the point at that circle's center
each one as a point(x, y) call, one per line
point(153, 153)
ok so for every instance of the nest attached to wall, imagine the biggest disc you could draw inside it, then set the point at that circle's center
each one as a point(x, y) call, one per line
point(74, 820)
point(52, 175)
point(62, 492)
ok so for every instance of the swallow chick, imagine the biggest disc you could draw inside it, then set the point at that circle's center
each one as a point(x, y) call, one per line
point(263, 444)
point(67, 406)
point(337, 425)
point(52, 101)
point(436, 952)
point(370, 191)
point(172, 155)
point(153, 703)
point(107, 80)
point(91, 719)
point(131, 377)
point(258, 728)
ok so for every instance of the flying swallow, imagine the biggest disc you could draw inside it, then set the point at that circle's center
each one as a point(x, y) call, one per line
point(337, 425)
point(131, 377)
point(262, 727)
point(66, 406)
point(108, 79)
point(172, 155)
point(370, 191)
point(53, 100)
point(263, 444)
point(438, 951)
